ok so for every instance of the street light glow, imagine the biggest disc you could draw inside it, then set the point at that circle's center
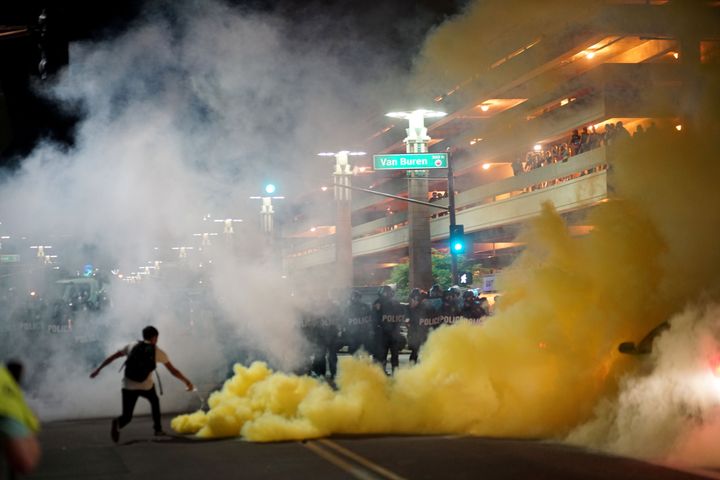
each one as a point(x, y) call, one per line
point(486, 166)
point(421, 111)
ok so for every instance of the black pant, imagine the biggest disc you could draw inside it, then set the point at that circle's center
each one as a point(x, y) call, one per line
point(129, 399)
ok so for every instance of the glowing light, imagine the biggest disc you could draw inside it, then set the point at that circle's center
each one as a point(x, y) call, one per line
point(675, 55)
point(486, 166)
point(484, 107)
point(590, 55)
point(421, 111)
point(270, 188)
point(564, 102)
point(32, 294)
point(313, 229)
point(323, 188)
point(678, 127)
point(326, 154)
point(537, 147)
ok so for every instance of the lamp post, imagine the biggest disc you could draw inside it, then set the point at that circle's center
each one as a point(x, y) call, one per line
point(266, 209)
point(419, 245)
point(343, 224)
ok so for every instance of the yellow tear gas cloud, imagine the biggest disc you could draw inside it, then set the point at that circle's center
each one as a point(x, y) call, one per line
point(541, 365)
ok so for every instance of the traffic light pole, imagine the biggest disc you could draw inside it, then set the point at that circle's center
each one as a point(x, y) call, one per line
point(451, 211)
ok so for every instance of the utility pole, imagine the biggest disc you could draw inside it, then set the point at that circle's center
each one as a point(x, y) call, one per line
point(451, 210)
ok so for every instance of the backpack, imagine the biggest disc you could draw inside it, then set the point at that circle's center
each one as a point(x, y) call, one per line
point(140, 362)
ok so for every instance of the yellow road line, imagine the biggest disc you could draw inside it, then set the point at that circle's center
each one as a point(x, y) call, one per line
point(382, 471)
point(339, 462)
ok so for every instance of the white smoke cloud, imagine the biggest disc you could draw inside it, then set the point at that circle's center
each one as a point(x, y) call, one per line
point(185, 114)
point(668, 408)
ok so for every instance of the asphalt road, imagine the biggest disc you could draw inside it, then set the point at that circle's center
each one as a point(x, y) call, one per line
point(82, 449)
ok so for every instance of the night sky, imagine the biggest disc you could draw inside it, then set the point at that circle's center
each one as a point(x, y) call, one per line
point(33, 118)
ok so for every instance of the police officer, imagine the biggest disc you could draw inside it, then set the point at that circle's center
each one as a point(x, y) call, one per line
point(358, 329)
point(472, 307)
point(329, 334)
point(420, 314)
point(450, 309)
point(389, 316)
point(310, 328)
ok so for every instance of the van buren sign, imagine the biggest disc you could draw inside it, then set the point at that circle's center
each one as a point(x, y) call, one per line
point(410, 161)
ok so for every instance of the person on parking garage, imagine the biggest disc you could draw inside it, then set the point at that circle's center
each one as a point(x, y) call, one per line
point(389, 316)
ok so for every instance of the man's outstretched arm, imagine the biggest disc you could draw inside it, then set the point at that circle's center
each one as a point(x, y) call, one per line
point(106, 362)
point(178, 374)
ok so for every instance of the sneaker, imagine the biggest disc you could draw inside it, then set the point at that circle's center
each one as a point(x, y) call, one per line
point(114, 431)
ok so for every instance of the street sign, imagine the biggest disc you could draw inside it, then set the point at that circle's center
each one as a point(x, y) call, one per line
point(410, 161)
point(9, 258)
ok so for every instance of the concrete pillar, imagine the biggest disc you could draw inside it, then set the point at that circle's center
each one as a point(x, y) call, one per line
point(419, 251)
point(343, 223)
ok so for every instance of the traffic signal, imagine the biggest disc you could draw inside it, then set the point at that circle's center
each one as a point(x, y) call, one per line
point(270, 188)
point(457, 239)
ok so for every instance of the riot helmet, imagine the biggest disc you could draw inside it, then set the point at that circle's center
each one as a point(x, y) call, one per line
point(386, 291)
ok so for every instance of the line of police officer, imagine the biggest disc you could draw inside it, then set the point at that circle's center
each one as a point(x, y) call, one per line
point(380, 329)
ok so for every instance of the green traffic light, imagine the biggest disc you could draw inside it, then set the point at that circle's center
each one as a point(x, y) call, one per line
point(270, 188)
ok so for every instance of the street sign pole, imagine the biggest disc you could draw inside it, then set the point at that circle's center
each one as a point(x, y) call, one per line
point(451, 211)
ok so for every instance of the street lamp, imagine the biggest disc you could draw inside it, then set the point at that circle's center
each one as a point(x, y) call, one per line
point(417, 137)
point(343, 223)
point(419, 244)
point(266, 210)
point(228, 224)
point(205, 238)
point(182, 251)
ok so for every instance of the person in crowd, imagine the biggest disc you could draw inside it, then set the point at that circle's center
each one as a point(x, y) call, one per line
point(468, 297)
point(389, 316)
point(621, 132)
point(329, 337)
point(450, 311)
point(564, 153)
point(18, 425)
point(358, 331)
point(609, 136)
point(435, 297)
point(639, 131)
point(593, 138)
point(517, 166)
point(420, 314)
point(584, 140)
point(310, 321)
point(138, 381)
point(575, 142)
